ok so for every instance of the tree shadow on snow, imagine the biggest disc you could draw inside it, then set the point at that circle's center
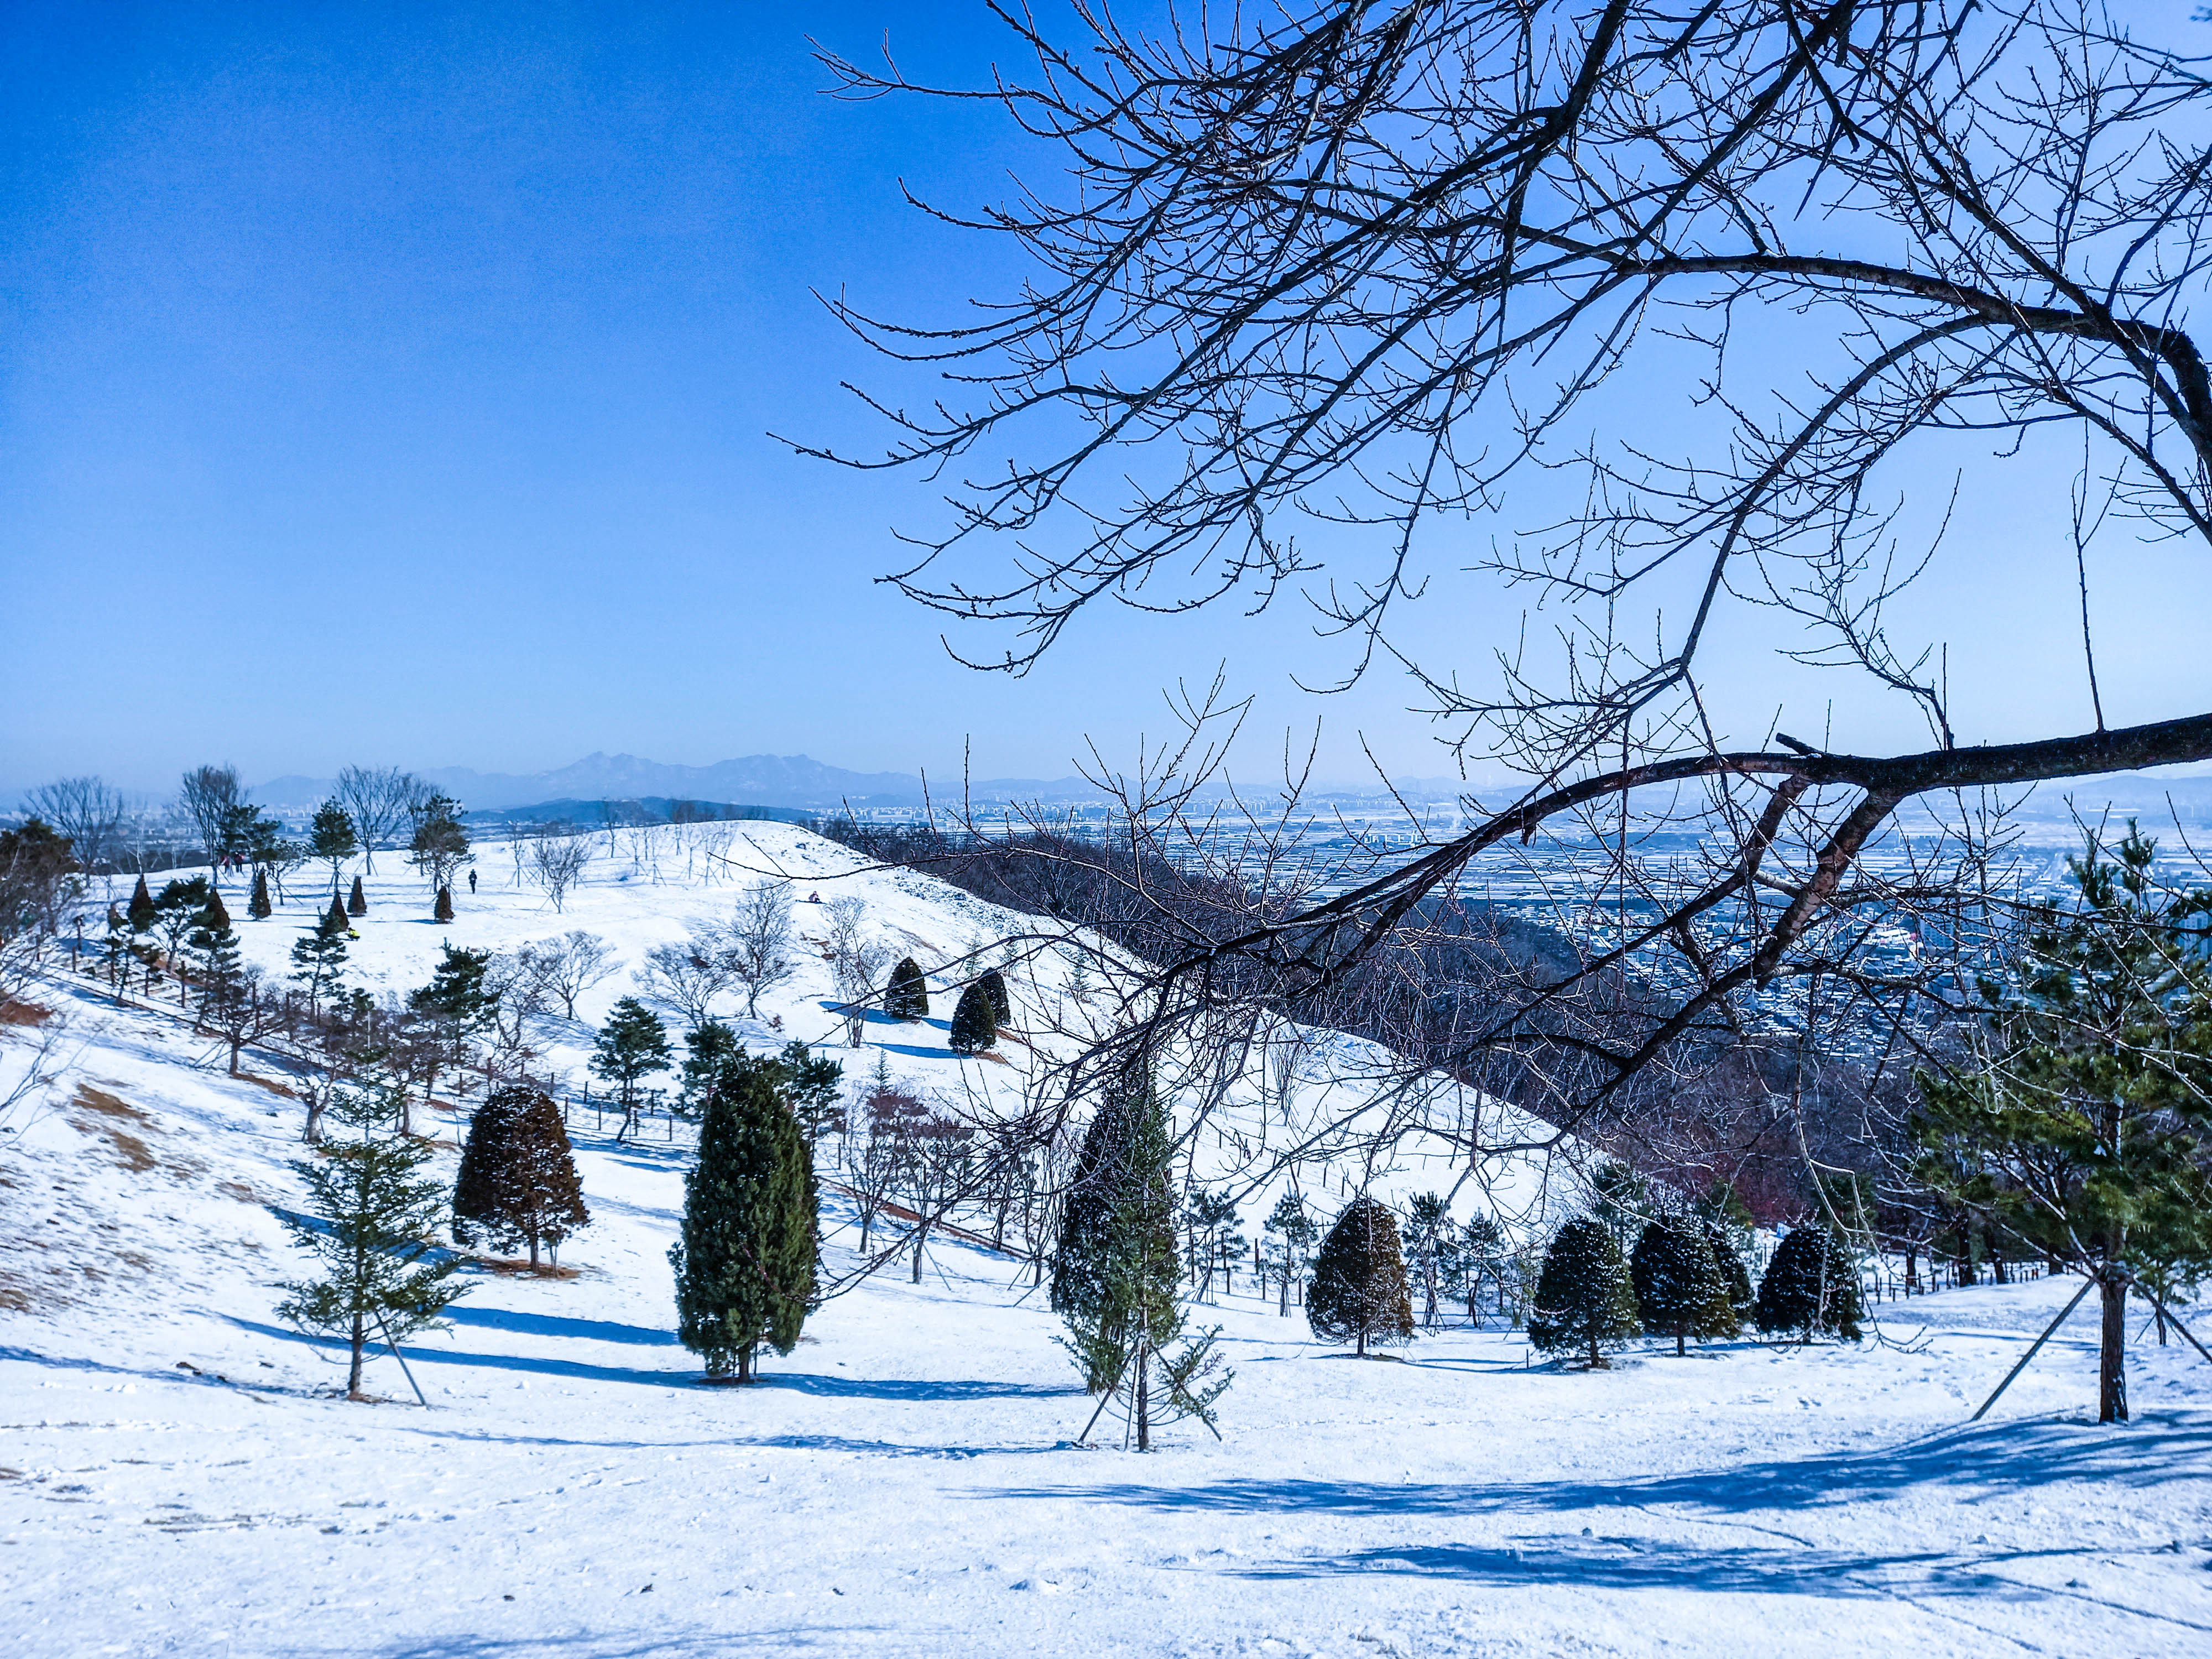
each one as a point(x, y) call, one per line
point(594, 1330)
point(862, 1388)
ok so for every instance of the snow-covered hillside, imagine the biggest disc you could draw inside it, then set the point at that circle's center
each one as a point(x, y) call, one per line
point(178, 1477)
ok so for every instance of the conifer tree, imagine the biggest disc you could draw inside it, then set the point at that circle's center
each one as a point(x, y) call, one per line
point(370, 1215)
point(259, 906)
point(1721, 1242)
point(994, 984)
point(745, 1265)
point(811, 1085)
point(632, 1045)
point(1811, 1287)
point(440, 845)
point(907, 995)
point(335, 919)
point(1358, 1291)
point(1291, 1232)
point(975, 1022)
point(443, 911)
point(1115, 1280)
point(140, 912)
point(317, 957)
point(1680, 1291)
point(1431, 1243)
point(518, 1180)
point(708, 1048)
point(215, 917)
point(332, 837)
point(1584, 1301)
point(458, 1003)
point(357, 905)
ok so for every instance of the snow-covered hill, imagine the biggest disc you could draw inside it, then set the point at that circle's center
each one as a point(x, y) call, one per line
point(177, 1478)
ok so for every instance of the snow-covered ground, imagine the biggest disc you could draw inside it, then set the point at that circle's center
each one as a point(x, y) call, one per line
point(177, 1478)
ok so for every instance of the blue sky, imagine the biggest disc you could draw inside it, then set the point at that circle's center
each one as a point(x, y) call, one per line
point(394, 384)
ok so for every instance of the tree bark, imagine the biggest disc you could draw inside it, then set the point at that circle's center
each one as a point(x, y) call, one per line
point(1144, 1397)
point(2111, 1353)
point(359, 1341)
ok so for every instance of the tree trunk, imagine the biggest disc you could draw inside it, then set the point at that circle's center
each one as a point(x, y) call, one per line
point(1362, 1342)
point(920, 1232)
point(2112, 1353)
point(359, 1341)
point(1596, 1360)
point(745, 1363)
point(533, 1252)
point(1144, 1396)
point(1682, 1351)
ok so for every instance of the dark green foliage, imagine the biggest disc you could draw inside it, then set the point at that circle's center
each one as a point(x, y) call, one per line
point(1722, 1245)
point(334, 919)
point(1811, 1288)
point(975, 1022)
point(443, 910)
point(372, 1213)
point(140, 912)
point(317, 957)
point(259, 906)
point(332, 837)
point(1431, 1250)
point(1116, 1278)
point(38, 872)
point(1290, 1232)
point(178, 909)
point(2087, 1137)
point(1680, 1289)
point(811, 1085)
point(357, 904)
point(745, 1265)
point(1620, 1201)
point(518, 1179)
point(906, 997)
point(1585, 1303)
point(1358, 1291)
point(214, 917)
point(456, 1002)
point(708, 1048)
point(440, 845)
point(632, 1045)
point(994, 984)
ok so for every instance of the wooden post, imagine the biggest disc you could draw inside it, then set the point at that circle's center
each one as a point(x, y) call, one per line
point(2049, 1331)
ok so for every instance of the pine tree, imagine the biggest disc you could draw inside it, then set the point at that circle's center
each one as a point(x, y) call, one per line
point(1116, 1278)
point(1620, 1201)
point(1680, 1291)
point(994, 986)
point(319, 956)
point(975, 1022)
point(440, 845)
point(1482, 1256)
point(457, 1002)
point(811, 1085)
point(1584, 1301)
point(1811, 1287)
point(443, 911)
point(259, 906)
point(140, 913)
point(330, 836)
point(335, 919)
point(745, 1265)
point(1722, 1245)
point(518, 1179)
point(907, 995)
point(370, 1214)
point(1432, 1250)
point(1291, 1232)
point(357, 905)
point(1358, 1291)
point(632, 1045)
point(708, 1048)
point(214, 918)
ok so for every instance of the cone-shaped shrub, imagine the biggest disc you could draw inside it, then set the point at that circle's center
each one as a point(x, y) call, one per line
point(334, 919)
point(443, 910)
point(1110, 1223)
point(907, 995)
point(213, 917)
point(518, 1180)
point(1585, 1303)
point(745, 1268)
point(358, 904)
point(1360, 1291)
point(975, 1022)
point(993, 983)
point(259, 906)
point(142, 914)
point(1811, 1288)
point(1680, 1291)
point(1733, 1270)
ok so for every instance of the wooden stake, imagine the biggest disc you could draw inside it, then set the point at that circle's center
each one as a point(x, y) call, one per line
point(2086, 1287)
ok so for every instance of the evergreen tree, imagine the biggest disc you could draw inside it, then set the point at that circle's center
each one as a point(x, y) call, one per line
point(1680, 1291)
point(177, 911)
point(1116, 1278)
point(1480, 1258)
point(140, 912)
point(1432, 1250)
point(330, 836)
point(518, 1179)
point(319, 956)
point(632, 1045)
point(975, 1022)
point(1721, 1242)
point(335, 918)
point(456, 1003)
point(811, 1085)
point(907, 995)
point(1811, 1287)
point(372, 1213)
point(1291, 1232)
point(1620, 1201)
point(745, 1265)
point(215, 917)
point(1358, 1291)
point(1584, 1301)
point(708, 1048)
point(994, 986)
point(259, 906)
point(357, 905)
point(440, 845)
point(443, 911)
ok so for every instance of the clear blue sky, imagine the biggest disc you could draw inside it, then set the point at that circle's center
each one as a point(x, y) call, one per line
point(393, 384)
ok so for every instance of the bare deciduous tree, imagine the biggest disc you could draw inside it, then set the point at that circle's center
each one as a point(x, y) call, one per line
point(856, 966)
point(1367, 270)
point(558, 852)
point(689, 976)
point(88, 812)
point(209, 801)
point(757, 940)
point(566, 967)
point(378, 799)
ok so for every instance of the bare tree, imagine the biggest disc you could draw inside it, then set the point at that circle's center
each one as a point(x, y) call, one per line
point(88, 812)
point(757, 940)
point(566, 967)
point(378, 799)
point(689, 976)
point(856, 965)
point(209, 801)
point(1368, 268)
point(558, 854)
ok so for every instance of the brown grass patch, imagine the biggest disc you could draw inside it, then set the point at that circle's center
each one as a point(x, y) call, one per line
point(24, 1014)
point(270, 1084)
point(239, 1190)
point(506, 1269)
point(107, 1105)
point(132, 1153)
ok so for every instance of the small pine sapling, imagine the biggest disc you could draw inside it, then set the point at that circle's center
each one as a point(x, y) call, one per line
point(1680, 1290)
point(443, 911)
point(357, 902)
point(259, 906)
point(975, 1022)
point(1585, 1303)
point(332, 838)
point(1360, 1292)
point(906, 997)
point(993, 984)
point(632, 1045)
point(1811, 1288)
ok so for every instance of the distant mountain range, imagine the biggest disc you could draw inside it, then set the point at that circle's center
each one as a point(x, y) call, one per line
point(791, 781)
